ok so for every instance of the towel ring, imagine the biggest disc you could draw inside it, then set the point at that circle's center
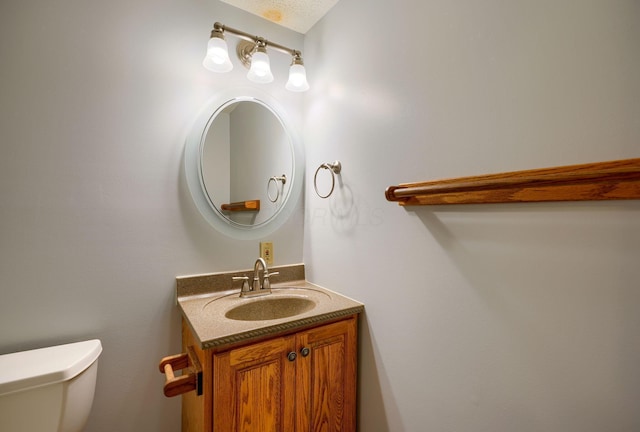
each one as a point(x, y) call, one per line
point(283, 179)
point(334, 168)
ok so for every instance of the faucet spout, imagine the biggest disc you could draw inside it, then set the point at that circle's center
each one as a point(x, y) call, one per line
point(257, 284)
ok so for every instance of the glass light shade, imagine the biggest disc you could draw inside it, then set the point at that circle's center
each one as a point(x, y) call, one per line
point(260, 71)
point(297, 79)
point(217, 59)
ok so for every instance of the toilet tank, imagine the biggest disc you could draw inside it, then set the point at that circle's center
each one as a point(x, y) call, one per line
point(48, 389)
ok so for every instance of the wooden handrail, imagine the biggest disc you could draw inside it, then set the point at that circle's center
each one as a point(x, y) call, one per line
point(614, 180)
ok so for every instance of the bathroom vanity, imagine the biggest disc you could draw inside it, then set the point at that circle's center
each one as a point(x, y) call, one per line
point(273, 354)
point(254, 369)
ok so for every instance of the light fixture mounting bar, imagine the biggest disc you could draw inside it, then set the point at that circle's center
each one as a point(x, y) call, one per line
point(255, 39)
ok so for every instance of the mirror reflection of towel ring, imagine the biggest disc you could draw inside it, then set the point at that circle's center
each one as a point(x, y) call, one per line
point(275, 180)
point(334, 168)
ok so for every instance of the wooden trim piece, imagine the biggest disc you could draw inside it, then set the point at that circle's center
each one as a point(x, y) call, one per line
point(614, 180)
point(187, 382)
point(196, 410)
point(245, 206)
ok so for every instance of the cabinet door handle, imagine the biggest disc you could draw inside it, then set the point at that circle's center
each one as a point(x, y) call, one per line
point(305, 351)
point(292, 356)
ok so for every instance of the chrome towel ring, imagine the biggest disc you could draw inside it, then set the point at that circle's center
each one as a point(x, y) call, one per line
point(334, 168)
point(275, 180)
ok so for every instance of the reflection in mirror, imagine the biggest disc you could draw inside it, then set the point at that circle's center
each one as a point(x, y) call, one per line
point(244, 148)
point(244, 164)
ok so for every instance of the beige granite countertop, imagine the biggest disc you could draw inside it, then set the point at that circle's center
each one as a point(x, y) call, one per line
point(205, 299)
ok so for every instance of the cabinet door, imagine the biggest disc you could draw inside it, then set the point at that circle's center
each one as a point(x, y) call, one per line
point(253, 388)
point(326, 378)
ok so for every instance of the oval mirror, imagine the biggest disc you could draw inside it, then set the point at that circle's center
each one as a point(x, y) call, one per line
point(243, 164)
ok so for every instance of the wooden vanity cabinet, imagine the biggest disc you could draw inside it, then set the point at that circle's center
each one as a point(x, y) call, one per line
point(302, 382)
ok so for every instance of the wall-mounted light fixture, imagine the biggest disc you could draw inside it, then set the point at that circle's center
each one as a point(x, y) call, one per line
point(252, 51)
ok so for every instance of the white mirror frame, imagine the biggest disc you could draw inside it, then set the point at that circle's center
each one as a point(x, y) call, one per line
point(193, 167)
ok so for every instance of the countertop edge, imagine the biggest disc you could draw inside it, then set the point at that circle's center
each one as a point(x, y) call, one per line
point(279, 328)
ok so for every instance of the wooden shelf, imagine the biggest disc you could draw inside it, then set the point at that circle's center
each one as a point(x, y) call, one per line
point(242, 206)
point(614, 180)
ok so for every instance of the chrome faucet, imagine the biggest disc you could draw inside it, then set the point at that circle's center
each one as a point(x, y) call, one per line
point(258, 287)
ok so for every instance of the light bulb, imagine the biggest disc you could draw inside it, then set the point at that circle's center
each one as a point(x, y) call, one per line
point(297, 78)
point(217, 59)
point(260, 71)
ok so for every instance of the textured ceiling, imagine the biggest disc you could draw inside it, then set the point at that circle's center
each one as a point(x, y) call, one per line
point(298, 15)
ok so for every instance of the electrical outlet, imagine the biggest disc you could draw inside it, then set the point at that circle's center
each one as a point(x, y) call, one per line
point(266, 252)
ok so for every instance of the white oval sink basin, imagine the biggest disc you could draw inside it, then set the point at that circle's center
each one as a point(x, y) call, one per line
point(270, 308)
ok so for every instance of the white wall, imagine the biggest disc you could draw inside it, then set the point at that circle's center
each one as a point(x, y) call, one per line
point(95, 219)
point(516, 317)
point(504, 317)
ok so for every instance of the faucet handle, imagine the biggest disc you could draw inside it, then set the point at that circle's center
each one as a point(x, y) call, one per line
point(245, 283)
point(266, 284)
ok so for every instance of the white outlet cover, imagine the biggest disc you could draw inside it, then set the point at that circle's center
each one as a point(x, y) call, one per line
point(297, 15)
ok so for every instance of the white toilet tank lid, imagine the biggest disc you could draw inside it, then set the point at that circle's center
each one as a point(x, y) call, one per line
point(27, 369)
